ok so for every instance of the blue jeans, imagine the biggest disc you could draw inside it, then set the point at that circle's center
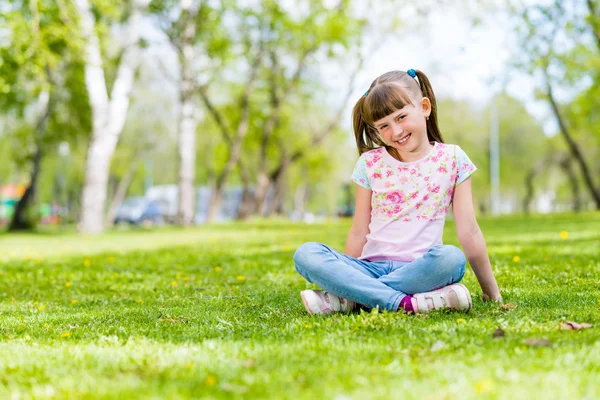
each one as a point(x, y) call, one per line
point(380, 284)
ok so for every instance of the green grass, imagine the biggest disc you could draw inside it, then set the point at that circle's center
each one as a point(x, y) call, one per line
point(214, 312)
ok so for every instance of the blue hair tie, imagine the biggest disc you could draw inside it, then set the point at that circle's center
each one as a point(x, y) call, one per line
point(412, 73)
point(366, 93)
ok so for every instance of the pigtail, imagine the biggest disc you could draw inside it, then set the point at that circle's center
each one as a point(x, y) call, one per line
point(366, 136)
point(433, 130)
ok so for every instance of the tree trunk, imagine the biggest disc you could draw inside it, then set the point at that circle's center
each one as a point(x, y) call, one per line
point(247, 204)
point(278, 179)
point(566, 166)
point(187, 120)
point(574, 148)
point(108, 116)
point(277, 100)
point(265, 180)
point(121, 191)
point(300, 199)
point(20, 219)
point(529, 189)
point(216, 201)
point(234, 141)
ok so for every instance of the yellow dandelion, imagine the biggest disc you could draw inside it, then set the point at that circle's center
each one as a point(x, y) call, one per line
point(240, 278)
point(210, 380)
point(140, 300)
point(111, 259)
point(36, 262)
point(68, 284)
point(35, 303)
point(65, 334)
point(461, 320)
point(185, 279)
point(174, 283)
point(74, 301)
point(46, 325)
point(516, 259)
point(308, 326)
point(217, 269)
point(564, 235)
point(42, 307)
point(86, 262)
point(484, 385)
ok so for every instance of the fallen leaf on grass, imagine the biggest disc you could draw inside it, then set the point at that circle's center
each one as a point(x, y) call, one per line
point(249, 363)
point(574, 326)
point(538, 342)
point(508, 307)
point(498, 333)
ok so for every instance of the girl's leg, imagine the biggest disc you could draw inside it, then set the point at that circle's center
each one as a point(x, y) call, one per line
point(346, 276)
point(441, 266)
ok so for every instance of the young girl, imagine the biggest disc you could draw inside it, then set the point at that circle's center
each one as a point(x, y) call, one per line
point(406, 180)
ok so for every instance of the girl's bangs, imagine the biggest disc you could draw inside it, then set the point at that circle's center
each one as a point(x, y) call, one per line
point(383, 100)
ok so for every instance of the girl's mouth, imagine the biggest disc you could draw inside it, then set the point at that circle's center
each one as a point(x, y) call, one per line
point(403, 141)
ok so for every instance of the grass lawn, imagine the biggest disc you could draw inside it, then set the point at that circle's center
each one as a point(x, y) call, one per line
point(214, 312)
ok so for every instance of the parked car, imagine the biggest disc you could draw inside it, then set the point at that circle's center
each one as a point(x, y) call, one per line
point(139, 211)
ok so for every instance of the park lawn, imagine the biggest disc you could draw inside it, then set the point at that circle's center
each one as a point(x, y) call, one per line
point(214, 312)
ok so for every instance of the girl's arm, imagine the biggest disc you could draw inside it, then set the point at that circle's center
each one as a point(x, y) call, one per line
point(357, 237)
point(472, 241)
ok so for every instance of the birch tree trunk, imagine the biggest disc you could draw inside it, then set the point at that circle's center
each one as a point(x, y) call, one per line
point(187, 121)
point(108, 114)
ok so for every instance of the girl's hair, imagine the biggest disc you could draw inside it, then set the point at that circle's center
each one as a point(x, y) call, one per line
point(387, 94)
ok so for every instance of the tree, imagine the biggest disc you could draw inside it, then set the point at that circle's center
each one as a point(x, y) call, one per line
point(197, 34)
point(108, 113)
point(560, 47)
point(39, 72)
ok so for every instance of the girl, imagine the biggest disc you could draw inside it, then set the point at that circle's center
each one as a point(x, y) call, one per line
point(406, 180)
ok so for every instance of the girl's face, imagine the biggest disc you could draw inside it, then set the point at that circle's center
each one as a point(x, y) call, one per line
point(406, 128)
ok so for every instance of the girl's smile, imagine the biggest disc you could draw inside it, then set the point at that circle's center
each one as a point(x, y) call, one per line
point(406, 131)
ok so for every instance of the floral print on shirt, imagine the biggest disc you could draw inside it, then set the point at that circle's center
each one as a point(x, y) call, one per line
point(421, 190)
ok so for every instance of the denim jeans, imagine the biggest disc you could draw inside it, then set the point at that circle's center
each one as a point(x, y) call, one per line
point(381, 284)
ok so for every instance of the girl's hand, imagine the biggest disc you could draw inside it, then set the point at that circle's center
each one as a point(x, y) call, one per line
point(497, 298)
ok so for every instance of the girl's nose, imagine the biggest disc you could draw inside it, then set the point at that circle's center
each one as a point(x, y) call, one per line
point(397, 129)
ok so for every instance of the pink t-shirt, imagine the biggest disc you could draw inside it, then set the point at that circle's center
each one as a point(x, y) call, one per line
point(410, 200)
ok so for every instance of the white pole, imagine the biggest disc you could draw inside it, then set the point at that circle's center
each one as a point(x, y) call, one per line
point(494, 159)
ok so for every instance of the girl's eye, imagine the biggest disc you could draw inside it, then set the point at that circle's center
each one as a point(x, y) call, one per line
point(401, 117)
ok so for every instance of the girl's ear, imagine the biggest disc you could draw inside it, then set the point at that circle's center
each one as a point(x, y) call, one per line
point(426, 106)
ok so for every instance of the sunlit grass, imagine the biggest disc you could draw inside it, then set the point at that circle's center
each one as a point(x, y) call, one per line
point(214, 312)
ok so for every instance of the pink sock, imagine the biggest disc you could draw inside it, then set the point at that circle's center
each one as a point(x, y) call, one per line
point(406, 304)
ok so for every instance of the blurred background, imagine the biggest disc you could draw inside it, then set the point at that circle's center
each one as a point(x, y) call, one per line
point(184, 112)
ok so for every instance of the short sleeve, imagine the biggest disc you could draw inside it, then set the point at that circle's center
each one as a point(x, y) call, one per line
point(464, 165)
point(360, 174)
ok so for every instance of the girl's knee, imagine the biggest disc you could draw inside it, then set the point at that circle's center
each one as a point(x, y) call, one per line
point(452, 260)
point(306, 254)
point(455, 256)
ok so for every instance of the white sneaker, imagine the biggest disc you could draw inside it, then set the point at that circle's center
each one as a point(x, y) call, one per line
point(455, 297)
point(321, 302)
